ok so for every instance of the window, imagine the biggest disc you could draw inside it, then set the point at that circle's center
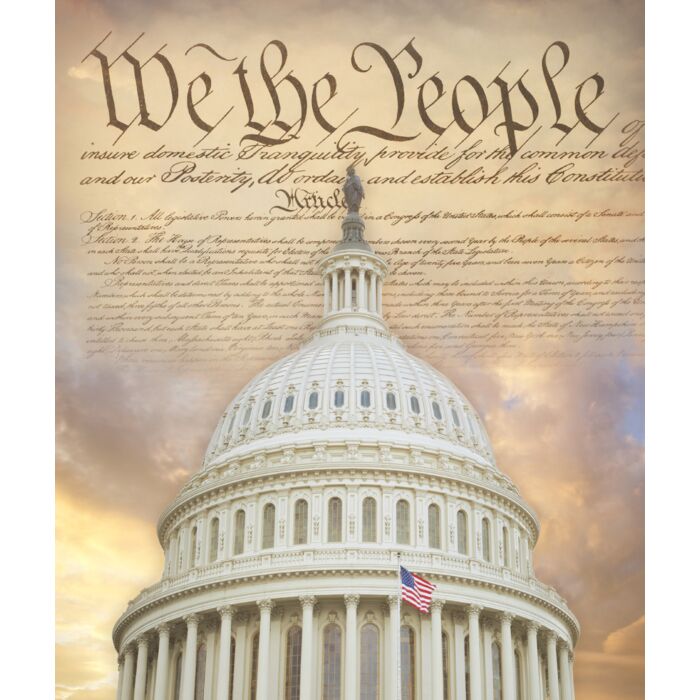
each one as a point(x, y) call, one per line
point(339, 399)
point(335, 520)
point(214, 540)
point(246, 416)
point(466, 667)
point(434, 526)
point(437, 411)
point(289, 403)
point(193, 546)
point(408, 662)
point(486, 539)
point(268, 540)
point(178, 677)
point(200, 672)
point(506, 548)
point(369, 520)
point(455, 418)
point(301, 521)
point(354, 292)
point(254, 667)
point(461, 532)
point(331, 662)
point(267, 407)
point(391, 400)
point(403, 522)
point(496, 669)
point(369, 663)
point(365, 399)
point(415, 405)
point(445, 667)
point(292, 683)
point(239, 536)
point(313, 400)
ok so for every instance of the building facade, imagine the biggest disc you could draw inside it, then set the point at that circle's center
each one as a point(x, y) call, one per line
point(332, 466)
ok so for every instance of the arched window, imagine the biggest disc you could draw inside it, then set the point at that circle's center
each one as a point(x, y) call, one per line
point(455, 418)
point(354, 292)
point(289, 403)
point(518, 677)
point(369, 663)
point(369, 520)
point(313, 400)
point(415, 405)
point(239, 535)
point(466, 666)
point(437, 411)
point(267, 407)
point(434, 526)
point(301, 521)
point(193, 546)
point(268, 539)
point(292, 682)
point(461, 532)
point(178, 677)
point(445, 667)
point(403, 522)
point(246, 415)
point(339, 398)
point(496, 669)
point(486, 538)
point(214, 540)
point(365, 399)
point(506, 547)
point(391, 400)
point(254, 667)
point(335, 520)
point(200, 672)
point(331, 662)
point(408, 663)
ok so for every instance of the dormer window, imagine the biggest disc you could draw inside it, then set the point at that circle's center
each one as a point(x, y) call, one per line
point(415, 405)
point(313, 400)
point(267, 407)
point(391, 400)
point(437, 412)
point(455, 418)
point(365, 399)
point(339, 398)
point(288, 404)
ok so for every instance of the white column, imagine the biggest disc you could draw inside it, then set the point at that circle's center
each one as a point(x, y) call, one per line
point(507, 657)
point(162, 662)
point(436, 646)
point(210, 634)
point(552, 674)
point(373, 292)
point(571, 674)
point(488, 662)
point(190, 665)
point(307, 644)
point(120, 682)
point(141, 669)
point(351, 602)
point(361, 290)
point(334, 291)
point(326, 294)
point(394, 646)
point(533, 666)
point(239, 660)
point(459, 670)
point(224, 671)
point(475, 679)
point(128, 683)
point(564, 666)
point(265, 607)
point(347, 288)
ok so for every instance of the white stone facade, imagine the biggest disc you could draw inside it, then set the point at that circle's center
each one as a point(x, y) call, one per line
point(280, 579)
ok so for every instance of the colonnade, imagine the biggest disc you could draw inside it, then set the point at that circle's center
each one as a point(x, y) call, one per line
point(337, 290)
point(545, 674)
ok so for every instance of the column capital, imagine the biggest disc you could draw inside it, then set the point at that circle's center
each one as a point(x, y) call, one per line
point(437, 605)
point(351, 600)
point(532, 626)
point(142, 641)
point(192, 620)
point(128, 650)
point(393, 599)
point(163, 628)
point(562, 644)
point(226, 611)
point(474, 610)
point(307, 601)
point(506, 617)
point(265, 605)
point(120, 660)
point(571, 655)
point(552, 636)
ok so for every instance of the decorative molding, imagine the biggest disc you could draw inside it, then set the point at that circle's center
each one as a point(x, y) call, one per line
point(307, 601)
point(351, 600)
point(265, 605)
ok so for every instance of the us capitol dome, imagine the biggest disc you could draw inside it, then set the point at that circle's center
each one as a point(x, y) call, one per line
point(332, 466)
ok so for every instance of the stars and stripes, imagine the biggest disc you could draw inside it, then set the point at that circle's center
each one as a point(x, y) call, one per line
point(416, 591)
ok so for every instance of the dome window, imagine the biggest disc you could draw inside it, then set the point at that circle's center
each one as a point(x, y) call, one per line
point(246, 416)
point(313, 400)
point(365, 399)
point(267, 407)
point(437, 412)
point(455, 418)
point(289, 403)
point(339, 399)
point(391, 400)
point(415, 405)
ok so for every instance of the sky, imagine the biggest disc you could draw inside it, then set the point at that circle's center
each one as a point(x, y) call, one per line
point(128, 438)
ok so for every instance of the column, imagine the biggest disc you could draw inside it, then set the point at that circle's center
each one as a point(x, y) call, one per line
point(162, 662)
point(564, 666)
point(394, 646)
point(334, 291)
point(361, 290)
point(571, 674)
point(507, 657)
point(533, 666)
point(475, 681)
point(239, 660)
point(190, 664)
point(460, 674)
point(488, 661)
point(141, 669)
point(552, 674)
point(351, 602)
point(128, 684)
point(436, 646)
point(347, 288)
point(265, 607)
point(209, 679)
point(379, 296)
point(373, 292)
point(326, 294)
point(120, 682)
point(224, 671)
point(307, 644)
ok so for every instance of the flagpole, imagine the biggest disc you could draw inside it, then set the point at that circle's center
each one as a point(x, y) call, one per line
point(398, 632)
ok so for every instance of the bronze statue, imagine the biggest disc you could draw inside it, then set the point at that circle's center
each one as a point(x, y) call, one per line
point(352, 189)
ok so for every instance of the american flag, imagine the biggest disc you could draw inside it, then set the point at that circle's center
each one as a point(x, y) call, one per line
point(416, 591)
